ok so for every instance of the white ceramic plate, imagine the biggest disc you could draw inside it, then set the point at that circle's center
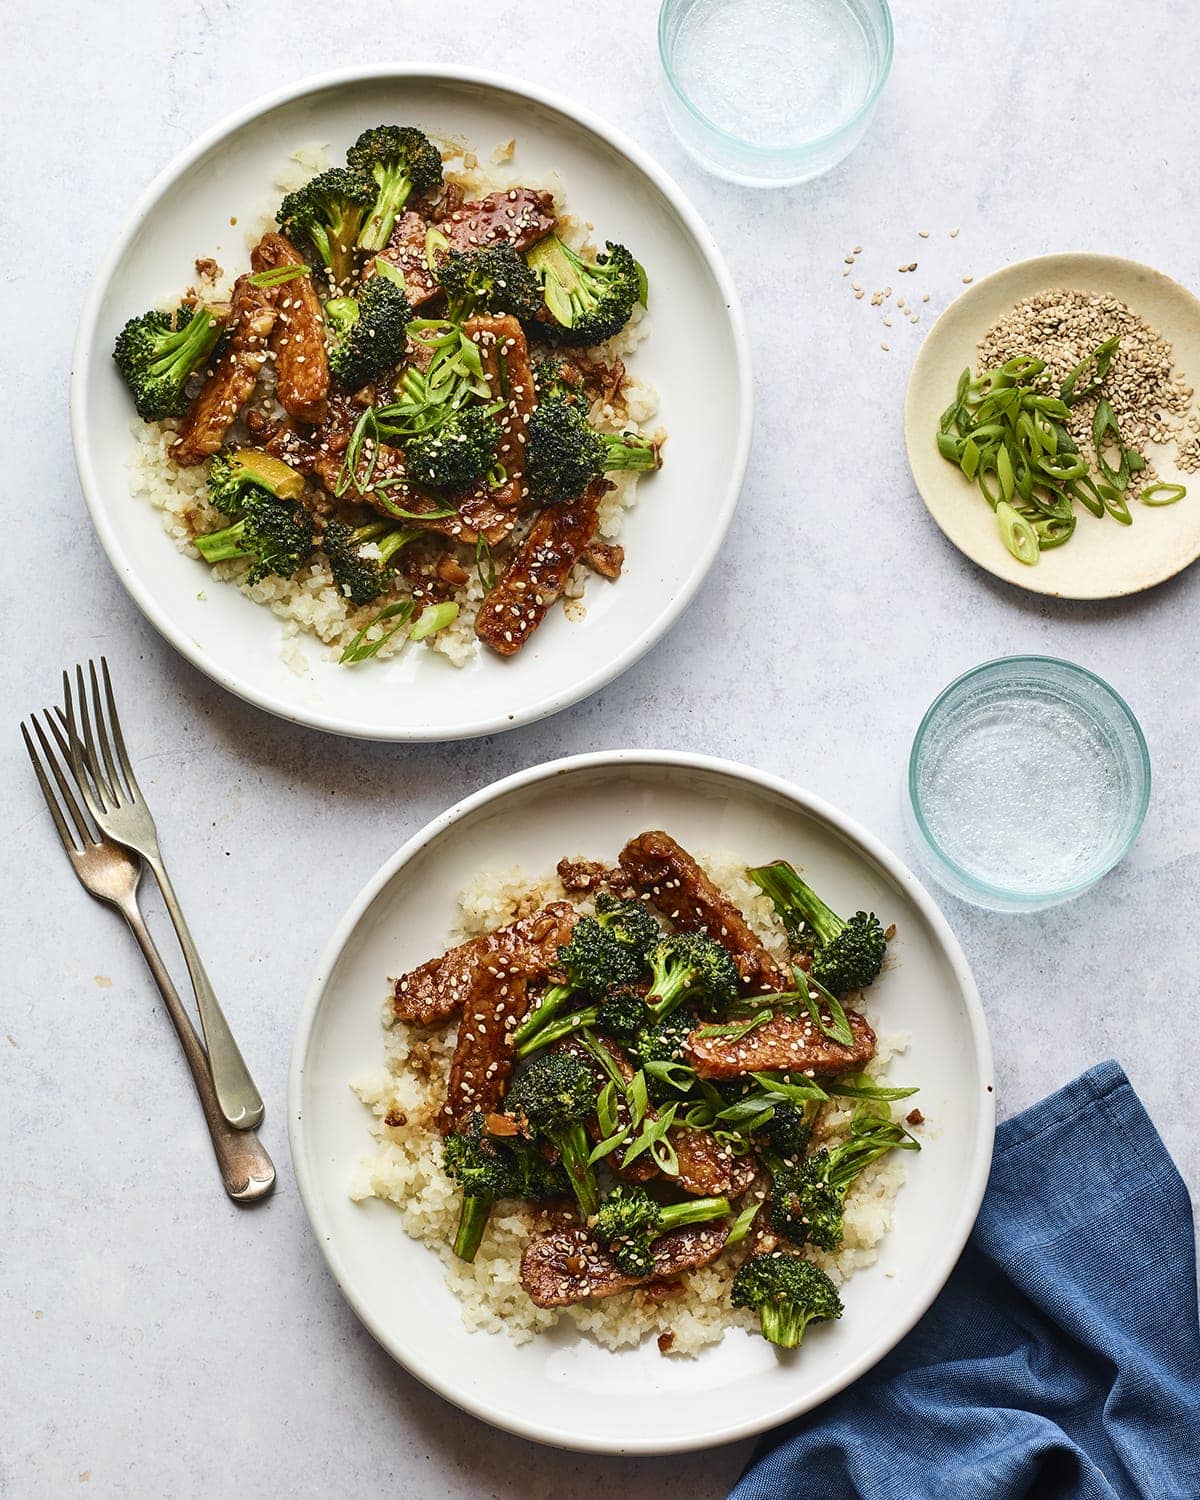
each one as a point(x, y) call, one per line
point(560, 1388)
point(696, 356)
point(1103, 559)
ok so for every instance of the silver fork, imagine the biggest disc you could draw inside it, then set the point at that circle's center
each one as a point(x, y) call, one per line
point(116, 802)
point(111, 874)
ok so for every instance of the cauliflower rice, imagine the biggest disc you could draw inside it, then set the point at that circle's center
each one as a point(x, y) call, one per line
point(405, 1167)
point(310, 603)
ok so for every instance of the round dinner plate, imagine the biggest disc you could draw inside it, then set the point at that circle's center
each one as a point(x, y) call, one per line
point(696, 356)
point(1103, 559)
point(560, 1388)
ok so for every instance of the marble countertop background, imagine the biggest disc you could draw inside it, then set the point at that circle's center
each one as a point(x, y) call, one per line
point(153, 1339)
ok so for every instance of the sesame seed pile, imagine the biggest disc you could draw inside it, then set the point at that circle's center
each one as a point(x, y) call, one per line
point(1151, 400)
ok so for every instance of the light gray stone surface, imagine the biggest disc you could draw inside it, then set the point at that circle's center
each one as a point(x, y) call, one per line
point(155, 1341)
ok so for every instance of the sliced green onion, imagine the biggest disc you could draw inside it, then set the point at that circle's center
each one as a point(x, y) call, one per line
point(277, 275)
point(676, 1075)
point(389, 272)
point(1023, 367)
point(1018, 535)
point(1052, 531)
point(436, 618)
point(360, 648)
point(436, 244)
point(1004, 472)
point(485, 564)
point(735, 1030)
point(364, 433)
point(1162, 494)
point(1115, 504)
point(869, 1091)
point(742, 1224)
point(1103, 423)
point(1095, 367)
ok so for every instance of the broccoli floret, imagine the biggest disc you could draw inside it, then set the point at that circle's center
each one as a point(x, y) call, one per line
point(565, 454)
point(360, 576)
point(475, 1162)
point(532, 1175)
point(805, 1206)
point(553, 1097)
point(630, 922)
point(456, 453)
point(157, 354)
point(494, 279)
point(276, 534)
point(396, 161)
point(588, 301)
point(595, 959)
point(595, 962)
point(788, 1293)
point(690, 966)
point(487, 1169)
point(327, 214)
point(847, 955)
point(232, 476)
point(368, 334)
point(556, 380)
point(662, 1042)
point(621, 1014)
point(630, 1220)
point(808, 1196)
point(787, 1132)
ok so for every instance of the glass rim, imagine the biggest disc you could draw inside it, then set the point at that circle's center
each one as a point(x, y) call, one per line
point(987, 887)
point(800, 147)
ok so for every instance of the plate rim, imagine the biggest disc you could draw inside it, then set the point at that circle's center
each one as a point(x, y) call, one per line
point(630, 759)
point(1031, 585)
point(84, 350)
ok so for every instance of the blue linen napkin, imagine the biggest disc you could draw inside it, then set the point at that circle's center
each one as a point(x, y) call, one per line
point(1062, 1360)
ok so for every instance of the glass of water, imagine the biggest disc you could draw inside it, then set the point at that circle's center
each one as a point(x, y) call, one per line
point(1028, 780)
point(773, 92)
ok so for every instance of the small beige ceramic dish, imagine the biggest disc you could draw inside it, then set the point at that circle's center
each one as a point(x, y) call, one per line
point(1103, 559)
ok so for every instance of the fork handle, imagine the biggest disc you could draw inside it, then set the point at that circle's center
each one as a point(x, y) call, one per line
point(237, 1095)
point(246, 1170)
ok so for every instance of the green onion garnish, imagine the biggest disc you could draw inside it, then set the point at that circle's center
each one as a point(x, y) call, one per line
point(1018, 535)
point(1162, 494)
point(277, 275)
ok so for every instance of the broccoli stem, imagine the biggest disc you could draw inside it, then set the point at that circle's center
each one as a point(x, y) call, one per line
point(472, 1221)
point(555, 1030)
point(781, 1324)
point(572, 1144)
point(394, 188)
point(186, 346)
point(694, 1211)
point(219, 546)
point(621, 454)
point(668, 994)
point(795, 901)
point(552, 1002)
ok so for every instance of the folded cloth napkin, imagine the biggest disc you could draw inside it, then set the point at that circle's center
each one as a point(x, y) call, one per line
point(1062, 1359)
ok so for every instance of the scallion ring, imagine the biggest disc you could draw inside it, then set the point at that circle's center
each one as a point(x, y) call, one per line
point(1018, 535)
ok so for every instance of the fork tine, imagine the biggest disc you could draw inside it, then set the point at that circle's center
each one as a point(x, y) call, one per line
point(52, 806)
point(75, 752)
point(90, 757)
point(114, 721)
point(104, 735)
point(64, 787)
